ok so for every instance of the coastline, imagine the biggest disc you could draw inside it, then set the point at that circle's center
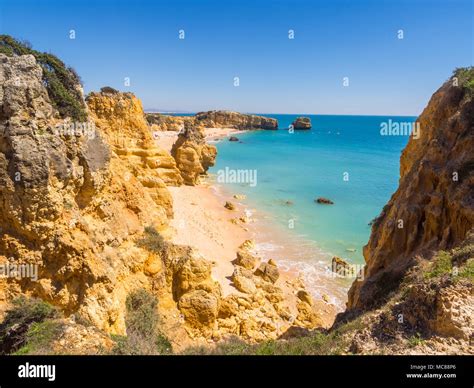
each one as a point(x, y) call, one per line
point(201, 221)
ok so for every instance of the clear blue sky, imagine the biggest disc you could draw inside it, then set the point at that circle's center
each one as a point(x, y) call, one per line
point(249, 39)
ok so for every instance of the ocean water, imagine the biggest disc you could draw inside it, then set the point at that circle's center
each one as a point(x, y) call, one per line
point(343, 158)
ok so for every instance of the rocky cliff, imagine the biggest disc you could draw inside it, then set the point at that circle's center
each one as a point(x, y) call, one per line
point(87, 204)
point(70, 205)
point(433, 207)
point(219, 118)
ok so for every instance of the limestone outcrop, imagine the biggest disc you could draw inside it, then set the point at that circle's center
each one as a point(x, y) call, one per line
point(433, 207)
point(70, 206)
point(162, 122)
point(121, 118)
point(302, 123)
point(192, 154)
point(228, 119)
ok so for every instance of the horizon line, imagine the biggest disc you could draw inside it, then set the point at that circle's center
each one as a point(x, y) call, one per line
point(164, 112)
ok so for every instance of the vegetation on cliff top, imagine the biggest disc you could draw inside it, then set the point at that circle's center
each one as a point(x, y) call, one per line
point(465, 77)
point(61, 82)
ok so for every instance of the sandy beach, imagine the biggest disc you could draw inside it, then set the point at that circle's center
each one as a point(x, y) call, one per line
point(201, 221)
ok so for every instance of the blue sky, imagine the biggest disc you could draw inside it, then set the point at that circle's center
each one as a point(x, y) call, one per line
point(249, 40)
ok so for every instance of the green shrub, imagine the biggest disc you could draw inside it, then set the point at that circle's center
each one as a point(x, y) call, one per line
point(442, 265)
point(60, 81)
point(24, 313)
point(142, 316)
point(142, 323)
point(465, 76)
point(152, 241)
point(40, 336)
point(415, 340)
point(317, 343)
point(467, 271)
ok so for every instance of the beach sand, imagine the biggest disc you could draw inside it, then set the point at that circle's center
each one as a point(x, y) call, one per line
point(166, 139)
point(201, 221)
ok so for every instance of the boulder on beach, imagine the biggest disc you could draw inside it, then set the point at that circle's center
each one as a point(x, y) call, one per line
point(229, 205)
point(324, 201)
point(233, 138)
point(246, 259)
point(268, 271)
point(302, 123)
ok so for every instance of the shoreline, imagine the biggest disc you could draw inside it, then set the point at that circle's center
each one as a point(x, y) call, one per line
point(166, 139)
point(295, 255)
point(202, 221)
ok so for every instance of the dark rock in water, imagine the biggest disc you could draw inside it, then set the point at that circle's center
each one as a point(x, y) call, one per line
point(233, 138)
point(302, 123)
point(324, 201)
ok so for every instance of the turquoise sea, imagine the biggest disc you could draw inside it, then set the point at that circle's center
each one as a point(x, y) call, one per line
point(303, 165)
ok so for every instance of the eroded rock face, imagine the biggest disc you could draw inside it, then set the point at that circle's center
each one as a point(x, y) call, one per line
point(433, 207)
point(35, 155)
point(68, 204)
point(192, 154)
point(121, 118)
point(227, 119)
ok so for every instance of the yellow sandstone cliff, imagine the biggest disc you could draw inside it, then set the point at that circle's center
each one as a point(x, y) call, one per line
point(91, 210)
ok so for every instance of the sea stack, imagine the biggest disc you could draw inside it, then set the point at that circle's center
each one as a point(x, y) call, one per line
point(302, 123)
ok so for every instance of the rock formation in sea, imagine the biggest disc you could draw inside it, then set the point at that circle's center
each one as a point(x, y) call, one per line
point(227, 119)
point(302, 123)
